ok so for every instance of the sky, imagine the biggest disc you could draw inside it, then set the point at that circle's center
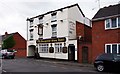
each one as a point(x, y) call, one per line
point(13, 13)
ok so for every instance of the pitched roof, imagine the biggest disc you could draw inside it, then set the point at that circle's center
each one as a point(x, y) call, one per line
point(59, 10)
point(8, 35)
point(112, 10)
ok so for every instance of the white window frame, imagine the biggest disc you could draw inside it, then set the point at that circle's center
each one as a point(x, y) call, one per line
point(41, 20)
point(54, 17)
point(54, 32)
point(106, 23)
point(58, 47)
point(43, 48)
point(31, 35)
point(118, 21)
point(111, 24)
point(111, 47)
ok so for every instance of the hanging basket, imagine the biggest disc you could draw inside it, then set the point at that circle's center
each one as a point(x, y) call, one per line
point(51, 50)
point(64, 50)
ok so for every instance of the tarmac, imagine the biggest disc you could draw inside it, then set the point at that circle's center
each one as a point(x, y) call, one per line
point(66, 62)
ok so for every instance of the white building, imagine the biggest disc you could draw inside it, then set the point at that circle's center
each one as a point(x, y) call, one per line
point(53, 34)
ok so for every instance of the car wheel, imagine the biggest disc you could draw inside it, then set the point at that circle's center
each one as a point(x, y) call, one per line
point(100, 68)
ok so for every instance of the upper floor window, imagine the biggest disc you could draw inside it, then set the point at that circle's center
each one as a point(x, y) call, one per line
point(40, 19)
point(40, 30)
point(31, 34)
point(54, 17)
point(54, 30)
point(107, 22)
point(112, 23)
point(118, 21)
point(31, 21)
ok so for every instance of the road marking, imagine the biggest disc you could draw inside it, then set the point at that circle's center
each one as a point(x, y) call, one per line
point(4, 71)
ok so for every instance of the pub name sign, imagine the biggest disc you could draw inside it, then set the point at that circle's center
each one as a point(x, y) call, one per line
point(52, 40)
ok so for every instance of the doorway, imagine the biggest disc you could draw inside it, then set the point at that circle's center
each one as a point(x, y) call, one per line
point(84, 54)
point(71, 52)
point(31, 51)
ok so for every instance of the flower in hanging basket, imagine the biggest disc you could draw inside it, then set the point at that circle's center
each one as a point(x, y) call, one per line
point(51, 49)
point(64, 50)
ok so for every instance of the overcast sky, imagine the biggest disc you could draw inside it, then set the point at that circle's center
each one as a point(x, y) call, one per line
point(13, 13)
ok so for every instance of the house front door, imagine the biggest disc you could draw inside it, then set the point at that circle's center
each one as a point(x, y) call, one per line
point(71, 52)
point(84, 54)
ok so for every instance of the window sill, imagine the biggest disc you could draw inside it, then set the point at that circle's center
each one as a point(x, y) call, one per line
point(112, 28)
point(31, 39)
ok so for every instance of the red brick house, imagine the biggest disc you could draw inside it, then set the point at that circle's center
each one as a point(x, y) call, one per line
point(84, 42)
point(20, 45)
point(106, 31)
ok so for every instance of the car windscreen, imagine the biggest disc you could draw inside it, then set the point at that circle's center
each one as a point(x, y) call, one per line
point(10, 51)
point(117, 57)
point(105, 57)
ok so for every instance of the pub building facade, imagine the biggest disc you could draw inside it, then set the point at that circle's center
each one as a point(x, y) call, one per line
point(53, 34)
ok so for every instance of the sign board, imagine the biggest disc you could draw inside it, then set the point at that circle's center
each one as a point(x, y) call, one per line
point(51, 40)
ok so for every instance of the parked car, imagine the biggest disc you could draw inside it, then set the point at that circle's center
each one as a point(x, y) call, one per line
point(107, 61)
point(6, 53)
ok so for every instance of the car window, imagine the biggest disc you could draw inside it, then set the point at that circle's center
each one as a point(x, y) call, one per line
point(105, 57)
point(117, 57)
point(10, 50)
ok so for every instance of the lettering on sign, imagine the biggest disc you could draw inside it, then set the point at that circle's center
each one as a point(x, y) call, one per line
point(52, 40)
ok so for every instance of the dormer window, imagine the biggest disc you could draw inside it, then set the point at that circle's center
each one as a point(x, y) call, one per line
point(112, 23)
point(54, 17)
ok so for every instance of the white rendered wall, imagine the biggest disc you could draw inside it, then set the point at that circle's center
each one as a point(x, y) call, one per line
point(75, 14)
point(62, 27)
point(47, 31)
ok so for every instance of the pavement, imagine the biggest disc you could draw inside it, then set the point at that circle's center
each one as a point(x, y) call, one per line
point(66, 62)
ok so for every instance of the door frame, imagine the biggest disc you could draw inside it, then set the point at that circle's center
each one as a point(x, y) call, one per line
point(71, 52)
point(85, 54)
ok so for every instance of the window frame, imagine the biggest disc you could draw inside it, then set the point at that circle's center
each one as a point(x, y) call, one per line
point(40, 27)
point(54, 32)
point(54, 17)
point(110, 21)
point(58, 47)
point(31, 35)
point(111, 50)
point(44, 48)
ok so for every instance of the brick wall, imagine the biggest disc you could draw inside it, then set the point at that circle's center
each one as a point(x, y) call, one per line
point(86, 40)
point(100, 37)
point(20, 46)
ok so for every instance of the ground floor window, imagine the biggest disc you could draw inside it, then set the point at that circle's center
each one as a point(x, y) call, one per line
point(43, 48)
point(58, 47)
point(112, 48)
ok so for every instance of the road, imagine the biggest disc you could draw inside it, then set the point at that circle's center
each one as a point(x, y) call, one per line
point(36, 66)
